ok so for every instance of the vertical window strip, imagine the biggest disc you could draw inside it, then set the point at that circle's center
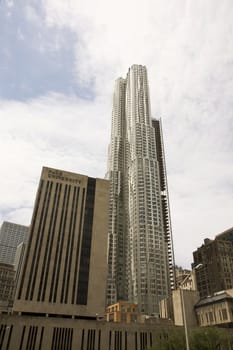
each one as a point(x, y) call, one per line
point(62, 338)
point(93, 344)
point(39, 248)
point(72, 242)
point(58, 337)
point(78, 247)
point(37, 234)
point(71, 339)
point(88, 339)
point(57, 201)
point(82, 340)
point(55, 264)
point(34, 338)
point(47, 247)
point(28, 344)
point(126, 341)
point(22, 338)
point(62, 243)
point(110, 340)
point(99, 341)
point(41, 338)
point(115, 340)
point(9, 337)
point(2, 334)
point(53, 338)
point(30, 239)
point(136, 341)
point(82, 293)
point(68, 248)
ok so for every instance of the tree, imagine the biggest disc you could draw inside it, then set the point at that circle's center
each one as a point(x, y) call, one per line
point(206, 338)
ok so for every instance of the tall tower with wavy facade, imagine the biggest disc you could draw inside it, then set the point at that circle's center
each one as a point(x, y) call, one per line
point(140, 250)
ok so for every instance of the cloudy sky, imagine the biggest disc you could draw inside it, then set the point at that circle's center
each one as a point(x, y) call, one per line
point(58, 63)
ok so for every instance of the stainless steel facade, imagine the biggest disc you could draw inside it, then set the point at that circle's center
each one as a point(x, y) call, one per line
point(140, 252)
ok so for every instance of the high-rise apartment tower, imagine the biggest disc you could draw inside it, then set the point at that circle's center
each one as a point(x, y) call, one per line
point(140, 251)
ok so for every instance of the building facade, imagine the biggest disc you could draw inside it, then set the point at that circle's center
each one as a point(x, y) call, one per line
point(11, 235)
point(65, 261)
point(123, 312)
point(7, 287)
point(216, 309)
point(54, 333)
point(216, 273)
point(140, 250)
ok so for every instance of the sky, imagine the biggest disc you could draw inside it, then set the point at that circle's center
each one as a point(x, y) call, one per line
point(58, 63)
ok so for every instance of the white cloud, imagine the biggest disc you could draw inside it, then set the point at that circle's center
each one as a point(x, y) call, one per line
point(188, 49)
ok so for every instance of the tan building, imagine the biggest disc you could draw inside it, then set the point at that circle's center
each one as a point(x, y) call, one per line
point(7, 286)
point(123, 311)
point(172, 308)
point(54, 333)
point(190, 298)
point(216, 309)
point(65, 262)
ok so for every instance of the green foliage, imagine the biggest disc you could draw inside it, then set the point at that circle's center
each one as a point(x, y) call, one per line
point(208, 338)
point(171, 340)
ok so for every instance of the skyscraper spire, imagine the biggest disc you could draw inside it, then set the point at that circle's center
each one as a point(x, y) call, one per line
point(140, 252)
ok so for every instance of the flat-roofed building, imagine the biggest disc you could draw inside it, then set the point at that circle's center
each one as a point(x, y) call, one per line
point(11, 235)
point(123, 311)
point(65, 262)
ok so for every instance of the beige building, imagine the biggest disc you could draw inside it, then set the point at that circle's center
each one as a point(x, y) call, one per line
point(54, 333)
point(172, 308)
point(190, 298)
point(216, 309)
point(65, 262)
point(123, 312)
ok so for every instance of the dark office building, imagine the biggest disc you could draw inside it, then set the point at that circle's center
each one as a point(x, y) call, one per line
point(216, 271)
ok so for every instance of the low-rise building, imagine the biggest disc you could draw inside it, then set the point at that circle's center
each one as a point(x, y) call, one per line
point(123, 311)
point(216, 309)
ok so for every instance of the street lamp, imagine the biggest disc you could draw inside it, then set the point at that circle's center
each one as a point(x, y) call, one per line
point(197, 267)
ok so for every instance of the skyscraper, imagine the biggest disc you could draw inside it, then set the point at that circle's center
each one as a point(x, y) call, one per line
point(11, 235)
point(140, 252)
point(65, 263)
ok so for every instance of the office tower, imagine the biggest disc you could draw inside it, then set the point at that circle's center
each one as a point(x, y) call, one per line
point(216, 260)
point(7, 286)
point(65, 263)
point(140, 252)
point(11, 235)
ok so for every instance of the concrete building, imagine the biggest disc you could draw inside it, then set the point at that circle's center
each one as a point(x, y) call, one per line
point(140, 249)
point(65, 262)
point(216, 274)
point(190, 298)
point(11, 235)
point(54, 333)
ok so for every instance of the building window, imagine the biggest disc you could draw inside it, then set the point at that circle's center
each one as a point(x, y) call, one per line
point(224, 314)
